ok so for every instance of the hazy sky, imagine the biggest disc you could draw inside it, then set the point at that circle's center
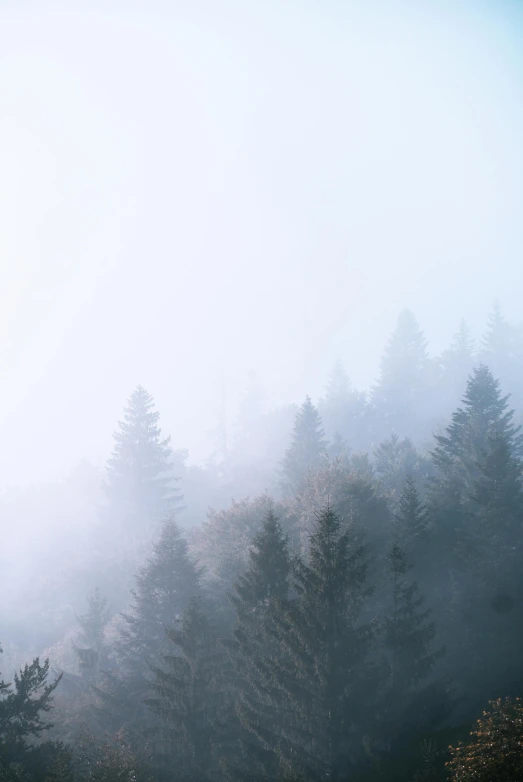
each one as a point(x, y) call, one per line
point(193, 189)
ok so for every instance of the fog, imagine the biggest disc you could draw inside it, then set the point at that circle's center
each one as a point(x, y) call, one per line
point(287, 236)
point(197, 190)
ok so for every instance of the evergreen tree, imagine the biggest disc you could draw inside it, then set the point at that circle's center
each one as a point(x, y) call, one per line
point(475, 504)
point(408, 641)
point(322, 668)
point(401, 399)
point(457, 364)
point(342, 409)
point(24, 752)
point(308, 449)
point(92, 654)
point(483, 416)
point(254, 598)
point(141, 483)
point(395, 460)
point(189, 698)
point(411, 520)
point(163, 589)
point(491, 569)
point(338, 449)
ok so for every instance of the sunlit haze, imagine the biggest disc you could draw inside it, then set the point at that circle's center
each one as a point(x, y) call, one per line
point(193, 190)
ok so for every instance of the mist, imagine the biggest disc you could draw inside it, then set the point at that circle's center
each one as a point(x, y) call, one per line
point(287, 237)
point(194, 192)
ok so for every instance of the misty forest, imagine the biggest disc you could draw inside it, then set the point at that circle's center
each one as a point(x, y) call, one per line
point(335, 595)
point(261, 391)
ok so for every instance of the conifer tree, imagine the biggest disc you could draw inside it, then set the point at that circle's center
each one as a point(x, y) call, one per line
point(163, 589)
point(342, 409)
point(189, 698)
point(457, 364)
point(483, 417)
point(141, 483)
point(308, 449)
point(395, 460)
point(411, 520)
point(400, 399)
point(254, 598)
point(339, 449)
point(408, 638)
point(92, 652)
point(25, 754)
point(323, 669)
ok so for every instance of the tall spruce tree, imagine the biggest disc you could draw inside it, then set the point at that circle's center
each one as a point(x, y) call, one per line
point(163, 589)
point(308, 449)
point(457, 363)
point(483, 416)
point(395, 460)
point(408, 637)
point(411, 520)
point(189, 699)
point(342, 409)
point(92, 651)
point(473, 502)
point(141, 483)
point(254, 598)
point(401, 399)
point(323, 667)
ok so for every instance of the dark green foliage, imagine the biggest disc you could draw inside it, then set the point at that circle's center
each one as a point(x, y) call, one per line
point(163, 589)
point(25, 755)
point(408, 638)
point(308, 449)
point(395, 460)
point(322, 668)
point(110, 759)
point(255, 597)
point(483, 417)
point(189, 699)
point(411, 522)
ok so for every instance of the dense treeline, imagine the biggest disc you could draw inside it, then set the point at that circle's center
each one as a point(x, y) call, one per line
point(351, 621)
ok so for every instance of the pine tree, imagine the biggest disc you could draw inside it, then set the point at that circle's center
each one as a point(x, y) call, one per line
point(24, 752)
point(140, 481)
point(411, 520)
point(401, 399)
point(490, 572)
point(342, 409)
point(92, 653)
point(254, 598)
point(484, 415)
point(308, 448)
point(408, 641)
point(473, 503)
point(323, 667)
point(338, 449)
point(189, 698)
point(395, 460)
point(457, 363)
point(163, 589)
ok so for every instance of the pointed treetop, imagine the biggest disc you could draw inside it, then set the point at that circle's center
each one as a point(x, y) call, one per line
point(140, 476)
point(308, 448)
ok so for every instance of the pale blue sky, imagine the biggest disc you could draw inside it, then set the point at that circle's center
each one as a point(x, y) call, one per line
point(190, 190)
